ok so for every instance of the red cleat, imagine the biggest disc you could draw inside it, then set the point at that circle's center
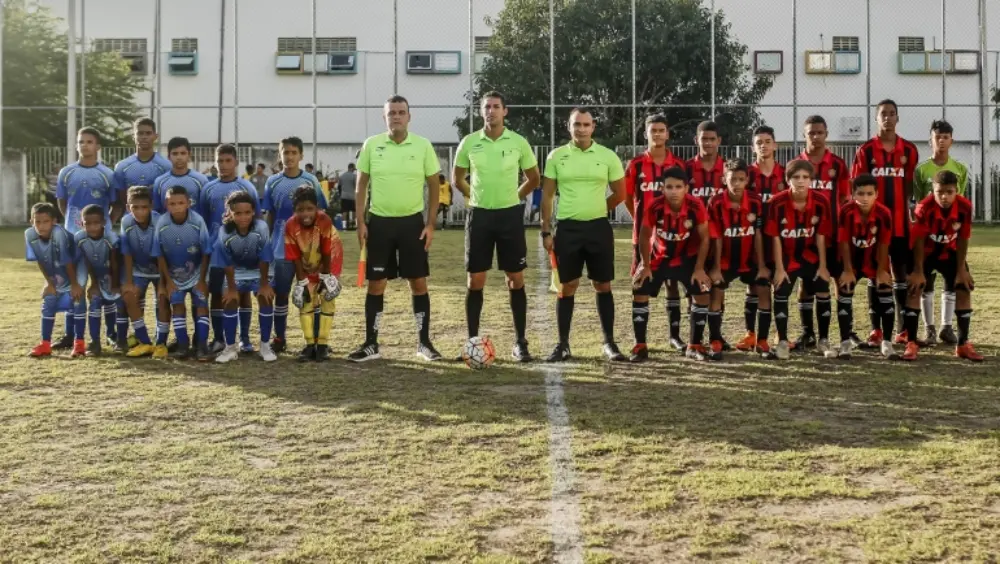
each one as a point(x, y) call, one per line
point(967, 352)
point(748, 342)
point(79, 348)
point(902, 338)
point(42, 349)
point(763, 347)
point(912, 348)
point(875, 339)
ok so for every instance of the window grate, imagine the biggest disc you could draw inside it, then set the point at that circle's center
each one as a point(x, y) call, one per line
point(482, 43)
point(845, 43)
point(119, 45)
point(911, 44)
point(323, 44)
point(184, 45)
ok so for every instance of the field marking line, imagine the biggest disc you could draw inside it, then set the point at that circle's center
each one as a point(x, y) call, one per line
point(564, 510)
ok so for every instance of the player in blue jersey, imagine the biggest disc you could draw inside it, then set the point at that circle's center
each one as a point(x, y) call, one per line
point(183, 247)
point(279, 208)
point(80, 184)
point(243, 250)
point(51, 246)
point(145, 165)
point(97, 259)
point(213, 207)
point(139, 270)
point(180, 174)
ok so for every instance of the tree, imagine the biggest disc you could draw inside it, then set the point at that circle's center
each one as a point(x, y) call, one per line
point(34, 75)
point(593, 48)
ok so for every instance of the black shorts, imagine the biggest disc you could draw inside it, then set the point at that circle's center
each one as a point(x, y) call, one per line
point(681, 274)
point(900, 253)
point(502, 229)
point(747, 278)
point(216, 278)
point(590, 243)
point(347, 205)
point(395, 249)
point(811, 283)
point(947, 267)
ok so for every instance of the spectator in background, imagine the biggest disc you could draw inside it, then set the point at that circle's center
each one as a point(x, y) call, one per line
point(248, 173)
point(536, 204)
point(212, 173)
point(348, 182)
point(324, 185)
point(310, 169)
point(444, 200)
point(259, 179)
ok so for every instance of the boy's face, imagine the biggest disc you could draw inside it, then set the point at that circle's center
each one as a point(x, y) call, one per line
point(177, 205)
point(763, 146)
point(815, 135)
point(43, 224)
point(800, 181)
point(674, 190)
point(140, 209)
point(227, 165)
point(865, 196)
point(180, 157)
point(657, 134)
point(887, 117)
point(242, 215)
point(305, 212)
point(144, 137)
point(708, 143)
point(94, 225)
point(944, 194)
point(940, 142)
point(87, 146)
point(737, 181)
point(290, 156)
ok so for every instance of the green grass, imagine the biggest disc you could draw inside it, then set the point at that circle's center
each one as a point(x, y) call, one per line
point(401, 461)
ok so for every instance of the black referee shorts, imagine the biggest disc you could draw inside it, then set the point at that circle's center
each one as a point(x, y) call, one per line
point(395, 249)
point(590, 243)
point(502, 229)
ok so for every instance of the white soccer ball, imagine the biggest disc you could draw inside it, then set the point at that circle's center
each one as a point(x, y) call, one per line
point(478, 353)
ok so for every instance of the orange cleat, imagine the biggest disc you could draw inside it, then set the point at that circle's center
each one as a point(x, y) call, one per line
point(912, 348)
point(748, 342)
point(79, 348)
point(715, 351)
point(967, 352)
point(763, 347)
point(874, 339)
point(902, 338)
point(42, 349)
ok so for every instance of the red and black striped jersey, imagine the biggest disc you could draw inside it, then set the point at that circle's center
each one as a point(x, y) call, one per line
point(864, 234)
point(705, 183)
point(766, 185)
point(643, 181)
point(894, 172)
point(798, 229)
point(942, 228)
point(675, 232)
point(735, 228)
point(833, 178)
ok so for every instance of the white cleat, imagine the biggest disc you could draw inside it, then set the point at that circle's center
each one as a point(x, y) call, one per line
point(267, 353)
point(823, 348)
point(229, 354)
point(888, 351)
point(846, 349)
point(783, 350)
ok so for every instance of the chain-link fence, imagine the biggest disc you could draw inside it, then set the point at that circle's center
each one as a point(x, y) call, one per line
point(239, 72)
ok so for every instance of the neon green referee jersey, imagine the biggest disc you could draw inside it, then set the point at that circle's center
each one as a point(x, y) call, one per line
point(923, 177)
point(495, 167)
point(583, 177)
point(397, 173)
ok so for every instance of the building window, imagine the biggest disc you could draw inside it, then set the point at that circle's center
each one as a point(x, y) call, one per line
point(843, 43)
point(133, 51)
point(184, 45)
point(333, 55)
point(434, 62)
point(481, 53)
point(768, 62)
point(183, 57)
point(911, 44)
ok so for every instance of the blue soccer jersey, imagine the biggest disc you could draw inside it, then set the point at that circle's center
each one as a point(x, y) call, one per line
point(137, 243)
point(54, 254)
point(213, 200)
point(278, 192)
point(182, 246)
point(244, 252)
point(194, 182)
point(135, 172)
point(82, 186)
point(94, 256)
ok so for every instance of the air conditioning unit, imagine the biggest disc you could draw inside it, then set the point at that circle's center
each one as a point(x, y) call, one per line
point(851, 127)
point(420, 62)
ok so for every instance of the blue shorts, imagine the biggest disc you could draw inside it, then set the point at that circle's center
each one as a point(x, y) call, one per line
point(143, 285)
point(284, 275)
point(198, 299)
point(244, 286)
point(61, 302)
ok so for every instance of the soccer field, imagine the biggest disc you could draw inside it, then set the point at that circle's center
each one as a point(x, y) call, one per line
point(403, 461)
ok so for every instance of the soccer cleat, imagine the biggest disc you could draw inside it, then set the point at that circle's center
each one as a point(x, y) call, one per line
point(307, 354)
point(322, 353)
point(823, 348)
point(725, 345)
point(79, 348)
point(41, 349)
point(278, 345)
point(678, 345)
point(247, 347)
point(161, 352)
point(427, 352)
point(66, 342)
point(229, 354)
point(912, 348)
point(931, 338)
point(266, 353)
point(559, 354)
point(875, 339)
point(120, 347)
point(520, 352)
point(902, 338)
point(183, 351)
point(140, 350)
point(967, 352)
point(947, 335)
point(715, 350)
point(846, 349)
point(203, 353)
point(640, 353)
point(216, 347)
point(806, 341)
point(888, 351)
point(856, 340)
point(94, 348)
point(783, 351)
point(764, 349)
point(612, 352)
point(696, 352)
point(172, 347)
point(364, 353)
point(111, 340)
point(132, 341)
point(747, 343)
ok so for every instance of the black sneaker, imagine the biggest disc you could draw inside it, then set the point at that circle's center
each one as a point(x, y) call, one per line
point(678, 345)
point(183, 351)
point(322, 353)
point(172, 347)
point(428, 352)
point(856, 340)
point(120, 347)
point(612, 353)
point(560, 353)
point(806, 341)
point(726, 347)
point(640, 353)
point(947, 335)
point(307, 354)
point(203, 353)
point(364, 353)
point(277, 345)
point(94, 348)
point(520, 352)
point(111, 339)
point(65, 343)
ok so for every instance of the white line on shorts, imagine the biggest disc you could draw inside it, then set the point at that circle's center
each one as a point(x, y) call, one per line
point(564, 512)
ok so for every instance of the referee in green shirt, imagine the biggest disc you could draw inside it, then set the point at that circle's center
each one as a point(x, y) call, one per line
point(396, 235)
point(496, 156)
point(582, 170)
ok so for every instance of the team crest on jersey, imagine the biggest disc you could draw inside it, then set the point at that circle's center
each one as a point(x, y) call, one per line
point(903, 160)
point(874, 229)
point(956, 226)
point(784, 221)
point(193, 249)
point(96, 194)
point(177, 241)
point(687, 224)
point(751, 216)
point(815, 219)
point(832, 173)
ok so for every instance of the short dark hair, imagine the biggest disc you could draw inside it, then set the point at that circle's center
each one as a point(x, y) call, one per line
point(92, 209)
point(864, 180)
point(45, 208)
point(309, 165)
point(942, 126)
point(494, 94)
point(177, 143)
point(676, 173)
point(888, 102)
point(293, 141)
point(225, 149)
point(249, 168)
point(351, 166)
point(708, 125)
point(261, 165)
point(657, 118)
point(237, 197)
point(90, 131)
point(581, 110)
point(304, 193)
point(796, 165)
point(764, 130)
point(144, 121)
point(139, 193)
point(737, 165)
point(177, 190)
point(946, 178)
point(816, 119)
point(397, 99)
